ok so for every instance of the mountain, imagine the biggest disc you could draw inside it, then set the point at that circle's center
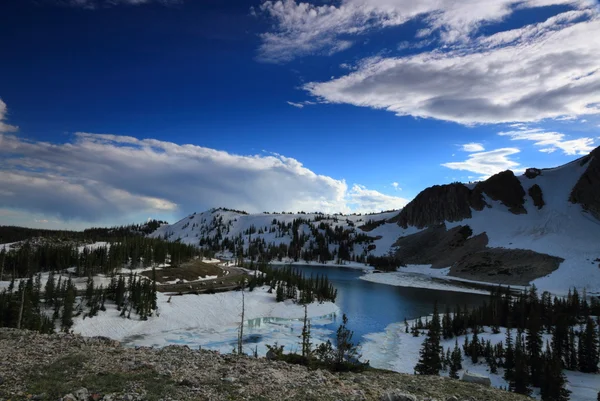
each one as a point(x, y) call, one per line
point(541, 227)
point(313, 237)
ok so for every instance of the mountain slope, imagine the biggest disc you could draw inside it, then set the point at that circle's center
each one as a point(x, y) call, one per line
point(287, 237)
point(550, 212)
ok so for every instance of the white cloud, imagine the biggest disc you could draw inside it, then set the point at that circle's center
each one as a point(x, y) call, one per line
point(369, 201)
point(298, 105)
point(396, 186)
point(3, 126)
point(551, 141)
point(301, 28)
point(472, 147)
point(488, 163)
point(527, 77)
point(96, 177)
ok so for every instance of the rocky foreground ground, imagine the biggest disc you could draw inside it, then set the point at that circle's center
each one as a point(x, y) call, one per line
point(74, 368)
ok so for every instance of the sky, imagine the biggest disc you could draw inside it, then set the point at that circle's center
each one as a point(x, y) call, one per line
point(116, 111)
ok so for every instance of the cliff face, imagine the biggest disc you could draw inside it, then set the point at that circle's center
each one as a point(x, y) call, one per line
point(453, 202)
point(587, 190)
point(440, 203)
point(539, 220)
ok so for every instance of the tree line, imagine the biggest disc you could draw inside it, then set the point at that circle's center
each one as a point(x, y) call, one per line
point(571, 322)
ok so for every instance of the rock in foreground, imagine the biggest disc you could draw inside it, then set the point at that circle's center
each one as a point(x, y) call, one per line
point(51, 367)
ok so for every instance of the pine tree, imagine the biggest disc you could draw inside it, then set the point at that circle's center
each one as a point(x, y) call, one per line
point(49, 290)
point(588, 346)
point(67, 315)
point(509, 359)
point(429, 361)
point(456, 361)
point(554, 380)
point(346, 351)
point(534, 343)
point(520, 378)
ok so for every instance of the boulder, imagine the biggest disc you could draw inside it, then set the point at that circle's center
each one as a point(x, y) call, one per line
point(398, 396)
point(475, 378)
point(82, 394)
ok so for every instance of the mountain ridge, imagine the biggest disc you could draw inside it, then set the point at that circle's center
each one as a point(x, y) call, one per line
point(536, 227)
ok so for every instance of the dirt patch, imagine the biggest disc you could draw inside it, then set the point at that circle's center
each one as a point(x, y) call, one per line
point(505, 266)
point(470, 258)
point(188, 271)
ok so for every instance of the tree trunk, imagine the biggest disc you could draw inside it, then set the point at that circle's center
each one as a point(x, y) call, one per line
point(21, 308)
point(241, 336)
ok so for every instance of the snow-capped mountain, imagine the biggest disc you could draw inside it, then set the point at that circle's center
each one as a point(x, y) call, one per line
point(541, 227)
point(284, 236)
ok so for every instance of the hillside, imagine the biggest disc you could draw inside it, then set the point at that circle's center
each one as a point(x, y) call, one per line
point(287, 237)
point(79, 368)
point(542, 227)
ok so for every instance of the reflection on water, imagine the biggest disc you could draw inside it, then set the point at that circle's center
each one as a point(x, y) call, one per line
point(370, 308)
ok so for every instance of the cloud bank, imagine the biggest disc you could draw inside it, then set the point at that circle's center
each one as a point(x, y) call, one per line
point(97, 177)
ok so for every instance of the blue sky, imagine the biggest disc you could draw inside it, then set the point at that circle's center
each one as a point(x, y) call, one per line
point(116, 111)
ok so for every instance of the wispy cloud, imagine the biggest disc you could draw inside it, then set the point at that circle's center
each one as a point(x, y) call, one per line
point(550, 142)
point(301, 28)
point(298, 105)
point(551, 74)
point(396, 186)
point(4, 127)
point(472, 147)
point(488, 163)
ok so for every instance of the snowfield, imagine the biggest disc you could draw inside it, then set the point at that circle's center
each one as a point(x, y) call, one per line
point(422, 276)
point(204, 319)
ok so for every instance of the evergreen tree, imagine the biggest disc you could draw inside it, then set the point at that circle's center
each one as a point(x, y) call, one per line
point(553, 379)
point(509, 359)
point(520, 382)
point(429, 361)
point(456, 361)
point(588, 348)
point(67, 315)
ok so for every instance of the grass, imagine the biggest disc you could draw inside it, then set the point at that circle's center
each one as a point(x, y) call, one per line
point(68, 374)
point(188, 271)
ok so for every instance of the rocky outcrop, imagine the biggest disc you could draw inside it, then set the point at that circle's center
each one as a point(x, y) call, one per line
point(505, 266)
point(50, 367)
point(434, 205)
point(535, 192)
point(532, 172)
point(506, 188)
point(587, 190)
point(453, 202)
